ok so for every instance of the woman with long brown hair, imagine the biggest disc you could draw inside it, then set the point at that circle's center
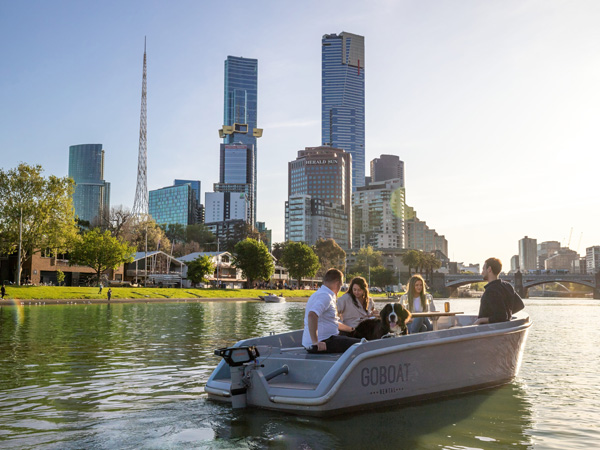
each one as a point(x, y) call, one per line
point(356, 305)
point(417, 299)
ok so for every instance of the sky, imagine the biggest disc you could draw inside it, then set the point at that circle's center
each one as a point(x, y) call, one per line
point(494, 106)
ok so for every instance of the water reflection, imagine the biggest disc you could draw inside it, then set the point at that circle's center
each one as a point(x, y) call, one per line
point(501, 416)
point(132, 376)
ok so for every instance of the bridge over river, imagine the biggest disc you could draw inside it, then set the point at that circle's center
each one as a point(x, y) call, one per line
point(522, 282)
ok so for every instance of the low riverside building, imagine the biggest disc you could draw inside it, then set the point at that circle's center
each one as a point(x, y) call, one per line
point(225, 274)
point(42, 268)
point(162, 269)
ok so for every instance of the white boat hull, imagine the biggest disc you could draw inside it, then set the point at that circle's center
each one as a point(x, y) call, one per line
point(386, 371)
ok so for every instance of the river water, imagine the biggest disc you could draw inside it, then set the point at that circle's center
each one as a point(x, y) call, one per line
point(131, 376)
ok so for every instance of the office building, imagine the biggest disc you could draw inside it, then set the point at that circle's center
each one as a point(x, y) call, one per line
point(528, 254)
point(197, 205)
point(378, 215)
point(173, 205)
point(564, 259)
point(224, 206)
point(319, 196)
point(240, 132)
point(265, 233)
point(592, 259)
point(309, 219)
point(237, 174)
point(514, 263)
point(343, 98)
point(387, 167)
point(420, 237)
point(545, 250)
point(91, 198)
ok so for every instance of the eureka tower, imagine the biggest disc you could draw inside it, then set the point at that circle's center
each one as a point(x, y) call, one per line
point(343, 98)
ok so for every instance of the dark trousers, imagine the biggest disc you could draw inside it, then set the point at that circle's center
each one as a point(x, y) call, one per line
point(337, 344)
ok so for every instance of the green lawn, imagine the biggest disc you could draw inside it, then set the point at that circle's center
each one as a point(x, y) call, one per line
point(71, 293)
point(89, 293)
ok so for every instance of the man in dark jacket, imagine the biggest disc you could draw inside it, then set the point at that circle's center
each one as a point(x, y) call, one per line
point(499, 301)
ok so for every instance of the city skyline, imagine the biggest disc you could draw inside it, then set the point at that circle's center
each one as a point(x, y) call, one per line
point(493, 107)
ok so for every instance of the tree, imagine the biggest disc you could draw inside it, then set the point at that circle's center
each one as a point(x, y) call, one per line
point(182, 249)
point(254, 260)
point(366, 258)
point(300, 260)
point(411, 258)
point(175, 232)
point(60, 277)
point(429, 263)
point(278, 248)
point(381, 276)
point(100, 251)
point(135, 233)
point(199, 268)
point(199, 233)
point(119, 220)
point(330, 254)
point(36, 213)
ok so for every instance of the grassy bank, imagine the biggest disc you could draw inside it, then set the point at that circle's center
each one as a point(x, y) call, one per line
point(91, 293)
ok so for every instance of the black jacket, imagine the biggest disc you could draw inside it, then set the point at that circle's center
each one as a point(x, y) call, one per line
point(499, 301)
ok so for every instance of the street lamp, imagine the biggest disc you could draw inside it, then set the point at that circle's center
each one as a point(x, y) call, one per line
point(20, 245)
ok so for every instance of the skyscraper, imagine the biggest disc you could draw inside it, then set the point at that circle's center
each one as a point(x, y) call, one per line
point(239, 130)
point(197, 205)
point(387, 167)
point(378, 215)
point(92, 194)
point(528, 253)
point(173, 205)
point(319, 199)
point(343, 98)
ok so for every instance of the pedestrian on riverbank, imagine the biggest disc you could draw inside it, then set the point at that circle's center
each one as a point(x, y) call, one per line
point(109, 294)
point(499, 301)
point(3, 291)
point(100, 291)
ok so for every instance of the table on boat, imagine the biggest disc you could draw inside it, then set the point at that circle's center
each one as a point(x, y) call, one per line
point(435, 315)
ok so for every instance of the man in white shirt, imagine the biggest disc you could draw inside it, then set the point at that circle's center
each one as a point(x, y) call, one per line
point(321, 321)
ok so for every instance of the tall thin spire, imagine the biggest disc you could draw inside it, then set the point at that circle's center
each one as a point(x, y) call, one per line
point(140, 204)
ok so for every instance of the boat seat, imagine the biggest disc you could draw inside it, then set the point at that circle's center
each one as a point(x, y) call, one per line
point(292, 385)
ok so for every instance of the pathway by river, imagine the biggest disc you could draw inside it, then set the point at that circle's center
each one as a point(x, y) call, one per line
point(131, 376)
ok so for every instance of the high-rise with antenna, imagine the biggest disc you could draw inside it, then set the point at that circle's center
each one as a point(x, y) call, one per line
point(140, 204)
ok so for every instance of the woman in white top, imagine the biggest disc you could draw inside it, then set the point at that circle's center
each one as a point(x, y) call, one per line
point(417, 299)
point(356, 305)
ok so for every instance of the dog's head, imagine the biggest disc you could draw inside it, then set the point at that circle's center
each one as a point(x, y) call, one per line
point(393, 316)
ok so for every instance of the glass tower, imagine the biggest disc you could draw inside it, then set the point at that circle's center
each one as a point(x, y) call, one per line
point(196, 202)
point(172, 204)
point(239, 130)
point(92, 194)
point(343, 98)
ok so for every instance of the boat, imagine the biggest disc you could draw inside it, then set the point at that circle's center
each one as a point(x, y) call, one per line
point(275, 372)
point(272, 298)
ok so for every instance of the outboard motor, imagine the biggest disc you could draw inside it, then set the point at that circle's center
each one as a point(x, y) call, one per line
point(236, 358)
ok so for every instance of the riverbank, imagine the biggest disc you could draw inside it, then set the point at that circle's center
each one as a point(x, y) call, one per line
point(62, 295)
point(68, 294)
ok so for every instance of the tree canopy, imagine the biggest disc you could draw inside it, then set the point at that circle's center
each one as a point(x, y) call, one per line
point(421, 261)
point(43, 206)
point(300, 260)
point(135, 234)
point(100, 251)
point(199, 268)
point(366, 258)
point(330, 255)
point(411, 259)
point(254, 260)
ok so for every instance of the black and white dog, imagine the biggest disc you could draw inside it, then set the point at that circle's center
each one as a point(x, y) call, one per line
point(392, 320)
